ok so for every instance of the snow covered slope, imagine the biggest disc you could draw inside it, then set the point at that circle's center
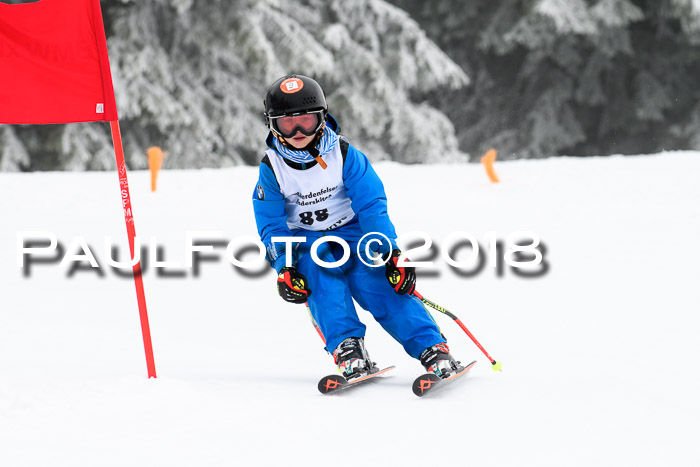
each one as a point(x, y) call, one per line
point(599, 354)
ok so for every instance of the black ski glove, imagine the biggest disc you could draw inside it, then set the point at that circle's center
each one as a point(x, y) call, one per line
point(402, 279)
point(292, 285)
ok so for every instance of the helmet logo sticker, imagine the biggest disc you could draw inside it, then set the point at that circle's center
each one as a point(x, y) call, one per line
point(291, 85)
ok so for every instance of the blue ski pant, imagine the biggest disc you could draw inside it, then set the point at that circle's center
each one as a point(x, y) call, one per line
point(331, 301)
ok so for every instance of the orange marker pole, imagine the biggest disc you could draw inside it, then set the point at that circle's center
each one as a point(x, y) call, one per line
point(488, 160)
point(155, 162)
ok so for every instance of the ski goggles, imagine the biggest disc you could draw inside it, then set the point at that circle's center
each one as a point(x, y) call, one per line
point(307, 123)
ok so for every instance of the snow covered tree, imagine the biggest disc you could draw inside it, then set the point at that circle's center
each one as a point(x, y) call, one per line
point(198, 74)
point(190, 76)
point(549, 77)
point(570, 76)
point(13, 155)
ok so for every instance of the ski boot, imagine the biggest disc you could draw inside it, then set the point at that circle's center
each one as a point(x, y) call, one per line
point(437, 360)
point(352, 358)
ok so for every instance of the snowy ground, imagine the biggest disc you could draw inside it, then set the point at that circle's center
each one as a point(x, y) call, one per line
point(599, 355)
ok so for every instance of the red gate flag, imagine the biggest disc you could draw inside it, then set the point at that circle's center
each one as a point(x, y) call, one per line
point(54, 66)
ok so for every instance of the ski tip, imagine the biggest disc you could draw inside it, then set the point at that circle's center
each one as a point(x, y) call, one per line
point(423, 384)
point(331, 383)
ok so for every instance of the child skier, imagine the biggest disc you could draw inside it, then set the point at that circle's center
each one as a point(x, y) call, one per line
point(312, 183)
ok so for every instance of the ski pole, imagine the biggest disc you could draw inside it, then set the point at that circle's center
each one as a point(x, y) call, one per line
point(313, 321)
point(494, 364)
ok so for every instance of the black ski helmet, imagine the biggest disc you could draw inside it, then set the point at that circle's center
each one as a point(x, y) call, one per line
point(294, 95)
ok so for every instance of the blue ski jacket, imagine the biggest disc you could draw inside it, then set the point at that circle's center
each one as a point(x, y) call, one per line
point(362, 186)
